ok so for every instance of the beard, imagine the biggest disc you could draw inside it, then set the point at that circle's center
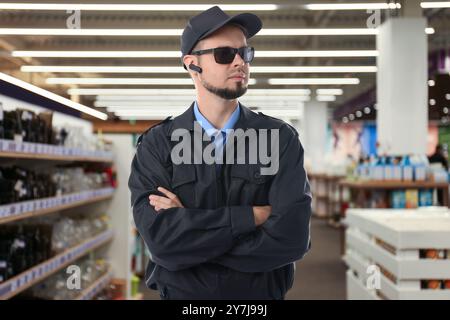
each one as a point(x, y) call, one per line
point(225, 93)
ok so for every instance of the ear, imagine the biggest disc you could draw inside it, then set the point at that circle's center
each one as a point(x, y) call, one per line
point(189, 58)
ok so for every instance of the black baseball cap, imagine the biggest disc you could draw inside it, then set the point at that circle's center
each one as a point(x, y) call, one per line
point(209, 21)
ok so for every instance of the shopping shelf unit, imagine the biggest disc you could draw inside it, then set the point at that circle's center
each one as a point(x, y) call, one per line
point(11, 151)
point(70, 178)
point(392, 240)
point(40, 272)
point(360, 191)
point(28, 150)
point(324, 189)
point(33, 208)
point(95, 288)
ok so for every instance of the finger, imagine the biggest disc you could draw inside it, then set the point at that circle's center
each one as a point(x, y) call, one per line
point(155, 204)
point(154, 196)
point(159, 199)
point(165, 203)
point(167, 193)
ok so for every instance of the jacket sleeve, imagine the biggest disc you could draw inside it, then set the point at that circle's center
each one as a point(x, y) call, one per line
point(179, 238)
point(285, 236)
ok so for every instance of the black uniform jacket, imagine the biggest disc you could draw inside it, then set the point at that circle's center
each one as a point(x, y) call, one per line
point(211, 248)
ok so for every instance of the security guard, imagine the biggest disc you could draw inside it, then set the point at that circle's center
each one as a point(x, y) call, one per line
point(220, 230)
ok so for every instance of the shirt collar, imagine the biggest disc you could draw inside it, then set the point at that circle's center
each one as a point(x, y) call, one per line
point(208, 127)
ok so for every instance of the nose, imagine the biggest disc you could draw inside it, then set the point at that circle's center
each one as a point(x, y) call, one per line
point(238, 61)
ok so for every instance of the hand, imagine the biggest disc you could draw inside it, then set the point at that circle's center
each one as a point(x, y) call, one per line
point(261, 214)
point(160, 202)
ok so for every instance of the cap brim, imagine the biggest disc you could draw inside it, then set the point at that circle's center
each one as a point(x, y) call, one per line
point(248, 21)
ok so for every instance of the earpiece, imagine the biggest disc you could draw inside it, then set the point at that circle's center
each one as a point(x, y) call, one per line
point(195, 68)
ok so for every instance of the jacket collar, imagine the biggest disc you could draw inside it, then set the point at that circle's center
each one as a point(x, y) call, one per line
point(187, 118)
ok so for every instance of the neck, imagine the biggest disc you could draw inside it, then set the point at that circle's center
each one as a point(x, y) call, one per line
point(216, 109)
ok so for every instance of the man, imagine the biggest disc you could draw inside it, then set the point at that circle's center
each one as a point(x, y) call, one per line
point(221, 230)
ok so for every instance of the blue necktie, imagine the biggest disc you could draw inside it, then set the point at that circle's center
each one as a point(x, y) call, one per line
point(219, 145)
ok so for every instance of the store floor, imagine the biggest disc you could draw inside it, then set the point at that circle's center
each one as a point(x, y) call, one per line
point(320, 275)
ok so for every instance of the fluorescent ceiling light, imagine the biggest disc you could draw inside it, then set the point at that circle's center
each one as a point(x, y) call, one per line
point(326, 98)
point(103, 69)
point(329, 92)
point(316, 53)
point(52, 96)
point(352, 6)
point(435, 5)
point(125, 81)
point(102, 102)
point(142, 99)
point(142, 118)
point(177, 111)
point(314, 69)
point(145, 92)
point(317, 32)
point(120, 81)
point(161, 102)
point(176, 54)
point(313, 81)
point(170, 69)
point(89, 32)
point(167, 108)
point(97, 54)
point(276, 114)
point(281, 113)
point(178, 32)
point(158, 105)
point(169, 111)
point(134, 7)
point(148, 110)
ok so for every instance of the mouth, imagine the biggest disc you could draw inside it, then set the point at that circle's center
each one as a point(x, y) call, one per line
point(240, 77)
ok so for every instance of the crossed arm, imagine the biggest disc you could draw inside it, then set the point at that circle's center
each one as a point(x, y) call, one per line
point(170, 200)
point(244, 238)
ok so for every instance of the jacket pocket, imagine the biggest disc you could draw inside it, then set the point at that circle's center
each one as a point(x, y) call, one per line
point(253, 186)
point(183, 184)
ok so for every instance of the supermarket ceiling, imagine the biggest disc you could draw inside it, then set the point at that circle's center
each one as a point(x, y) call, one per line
point(37, 46)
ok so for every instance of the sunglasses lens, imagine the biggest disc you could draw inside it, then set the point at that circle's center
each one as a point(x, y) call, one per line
point(247, 54)
point(224, 55)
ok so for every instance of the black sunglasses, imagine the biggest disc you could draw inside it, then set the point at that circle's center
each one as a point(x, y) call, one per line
point(225, 55)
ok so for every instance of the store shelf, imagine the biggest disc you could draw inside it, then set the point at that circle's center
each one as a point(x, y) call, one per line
point(401, 268)
point(39, 151)
point(324, 187)
point(38, 273)
point(392, 184)
point(393, 292)
point(96, 287)
point(422, 228)
point(34, 208)
point(356, 289)
point(392, 240)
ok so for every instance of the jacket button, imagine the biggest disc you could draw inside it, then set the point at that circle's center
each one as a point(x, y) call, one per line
point(257, 174)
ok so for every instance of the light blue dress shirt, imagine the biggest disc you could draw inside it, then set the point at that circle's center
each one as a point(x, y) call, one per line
point(219, 136)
